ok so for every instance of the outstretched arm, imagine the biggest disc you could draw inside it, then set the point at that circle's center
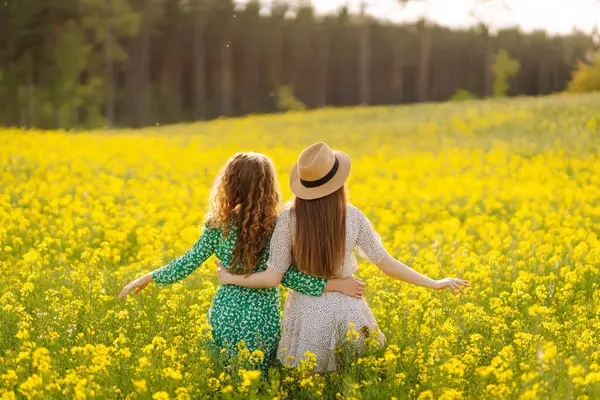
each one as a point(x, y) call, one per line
point(394, 268)
point(370, 247)
point(180, 267)
point(137, 285)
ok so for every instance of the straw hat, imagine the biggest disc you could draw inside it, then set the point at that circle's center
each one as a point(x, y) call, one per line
point(319, 172)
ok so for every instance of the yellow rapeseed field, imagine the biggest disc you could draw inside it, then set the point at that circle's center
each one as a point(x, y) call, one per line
point(504, 193)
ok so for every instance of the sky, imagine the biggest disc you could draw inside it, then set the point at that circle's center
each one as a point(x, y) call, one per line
point(555, 16)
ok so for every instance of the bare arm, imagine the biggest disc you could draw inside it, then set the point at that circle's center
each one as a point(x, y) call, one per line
point(137, 285)
point(397, 270)
point(270, 278)
point(180, 267)
point(370, 246)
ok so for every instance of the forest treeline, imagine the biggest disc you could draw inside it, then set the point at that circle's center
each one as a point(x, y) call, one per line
point(90, 63)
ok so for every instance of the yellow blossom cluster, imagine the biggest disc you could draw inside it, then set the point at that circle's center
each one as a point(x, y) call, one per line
point(503, 193)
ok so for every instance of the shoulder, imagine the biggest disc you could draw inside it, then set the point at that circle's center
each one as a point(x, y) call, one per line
point(354, 212)
point(212, 228)
point(210, 225)
point(352, 209)
point(286, 215)
point(285, 222)
point(357, 216)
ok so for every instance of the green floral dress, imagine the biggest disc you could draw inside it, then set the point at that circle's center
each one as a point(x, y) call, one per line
point(238, 313)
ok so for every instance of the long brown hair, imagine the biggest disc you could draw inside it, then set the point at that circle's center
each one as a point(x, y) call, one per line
point(246, 191)
point(319, 244)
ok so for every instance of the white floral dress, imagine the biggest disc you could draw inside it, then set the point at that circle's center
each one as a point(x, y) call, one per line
point(319, 324)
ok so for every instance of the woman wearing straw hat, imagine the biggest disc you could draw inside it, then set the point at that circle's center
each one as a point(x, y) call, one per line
point(318, 235)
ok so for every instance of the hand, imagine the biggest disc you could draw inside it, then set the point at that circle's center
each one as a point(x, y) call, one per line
point(453, 283)
point(223, 274)
point(351, 286)
point(137, 286)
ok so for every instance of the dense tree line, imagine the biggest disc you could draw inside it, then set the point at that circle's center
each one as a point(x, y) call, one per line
point(77, 63)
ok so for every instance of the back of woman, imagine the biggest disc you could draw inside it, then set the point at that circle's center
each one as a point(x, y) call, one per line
point(319, 324)
point(320, 232)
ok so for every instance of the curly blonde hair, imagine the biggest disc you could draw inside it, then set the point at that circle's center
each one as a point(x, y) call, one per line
point(246, 192)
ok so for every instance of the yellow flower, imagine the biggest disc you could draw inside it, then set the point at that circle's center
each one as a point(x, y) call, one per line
point(182, 393)
point(172, 373)
point(41, 359)
point(249, 376)
point(9, 376)
point(227, 389)
point(30, 385)
point(257, 357)
point(530, 394)
point(576, 370)
point(143, 362)
point(140, 385)
point(351, 334)
point(426, 395)
point(399, 378)
point(592, 378)
point(123, 314)
point(9, 395)
point(548, 352)
point(390, 356)
point(160, 396)
point(451, 394)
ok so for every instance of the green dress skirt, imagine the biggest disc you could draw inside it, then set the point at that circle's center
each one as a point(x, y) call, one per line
point(240, 314)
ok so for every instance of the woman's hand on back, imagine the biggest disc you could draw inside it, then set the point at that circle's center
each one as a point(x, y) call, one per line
point(350, 286)
point(225, 277)
point(453, 284)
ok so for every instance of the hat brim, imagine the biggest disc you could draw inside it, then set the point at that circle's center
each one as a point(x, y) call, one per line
point(334, 184)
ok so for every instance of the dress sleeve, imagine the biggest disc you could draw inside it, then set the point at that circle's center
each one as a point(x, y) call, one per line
point(303, 283)
point(368, 241)
point(183, 266)
point(280, 250)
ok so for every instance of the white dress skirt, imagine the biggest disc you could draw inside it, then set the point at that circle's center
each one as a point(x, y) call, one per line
point(319, 324)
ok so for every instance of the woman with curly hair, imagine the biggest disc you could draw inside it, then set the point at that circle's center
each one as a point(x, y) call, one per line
point(243, 213)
